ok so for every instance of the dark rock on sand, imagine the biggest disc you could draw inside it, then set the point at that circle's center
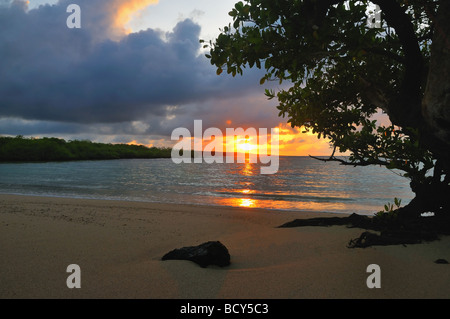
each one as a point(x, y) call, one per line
point(354, 220)
point(210, 253)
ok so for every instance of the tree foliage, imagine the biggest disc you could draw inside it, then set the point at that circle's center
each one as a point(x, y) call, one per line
point(340, 73)
point(14, 149)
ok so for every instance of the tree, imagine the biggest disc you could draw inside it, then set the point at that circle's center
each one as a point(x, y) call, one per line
point(20, 149)
point(341, 72)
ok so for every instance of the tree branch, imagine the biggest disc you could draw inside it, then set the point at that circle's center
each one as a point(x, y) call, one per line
point(387, 54)
point(406, 108)
point(332, 158)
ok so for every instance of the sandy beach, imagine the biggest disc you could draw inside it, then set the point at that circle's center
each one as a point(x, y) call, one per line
point(119, 245)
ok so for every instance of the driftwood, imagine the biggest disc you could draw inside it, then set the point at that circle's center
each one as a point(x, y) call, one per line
point(353, 220)
point(210, 253)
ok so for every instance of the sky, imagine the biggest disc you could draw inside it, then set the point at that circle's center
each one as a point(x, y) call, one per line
point(132, 73)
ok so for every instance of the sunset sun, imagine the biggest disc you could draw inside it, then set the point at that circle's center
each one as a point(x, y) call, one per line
point(245, 145)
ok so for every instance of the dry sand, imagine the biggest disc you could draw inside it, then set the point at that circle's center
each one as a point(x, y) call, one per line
point(119, 245)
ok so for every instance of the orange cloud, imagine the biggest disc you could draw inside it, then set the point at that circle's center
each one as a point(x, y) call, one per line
point(134, 142)
point(125, 9)
point(293, 142)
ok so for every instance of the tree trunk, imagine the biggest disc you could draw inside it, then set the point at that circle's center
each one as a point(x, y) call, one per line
point(430, 197)
point(436, 102)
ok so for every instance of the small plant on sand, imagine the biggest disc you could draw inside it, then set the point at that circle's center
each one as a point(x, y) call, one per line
point(390, 210)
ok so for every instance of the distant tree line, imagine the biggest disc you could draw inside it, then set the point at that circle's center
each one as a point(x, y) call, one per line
point(20, 149)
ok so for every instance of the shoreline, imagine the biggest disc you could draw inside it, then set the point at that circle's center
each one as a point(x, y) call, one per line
point(119, 244)
point(217, 205)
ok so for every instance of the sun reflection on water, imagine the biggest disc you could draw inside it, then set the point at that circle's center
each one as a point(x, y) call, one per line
point(246, 202)
point(248, 169)
point(250, 198)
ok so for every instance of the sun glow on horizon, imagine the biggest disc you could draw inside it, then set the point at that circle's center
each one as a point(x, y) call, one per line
point(298, 142)
point(292, 142)
point(134, 142)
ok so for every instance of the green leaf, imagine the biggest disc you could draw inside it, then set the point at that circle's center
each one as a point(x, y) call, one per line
point(239, 6)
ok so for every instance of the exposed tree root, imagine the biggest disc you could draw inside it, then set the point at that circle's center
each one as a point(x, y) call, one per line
point(391, 230)
point(386, 238)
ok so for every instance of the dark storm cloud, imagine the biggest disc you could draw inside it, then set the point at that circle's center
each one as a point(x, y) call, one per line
point(51, 73)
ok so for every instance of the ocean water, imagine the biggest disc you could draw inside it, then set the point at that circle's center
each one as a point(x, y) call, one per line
point(301, 184)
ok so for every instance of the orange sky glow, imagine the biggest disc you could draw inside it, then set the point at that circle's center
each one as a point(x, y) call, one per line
point(126, 9)
point(292, 142)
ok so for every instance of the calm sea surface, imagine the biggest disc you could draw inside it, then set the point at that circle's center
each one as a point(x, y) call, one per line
point(301, 183)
